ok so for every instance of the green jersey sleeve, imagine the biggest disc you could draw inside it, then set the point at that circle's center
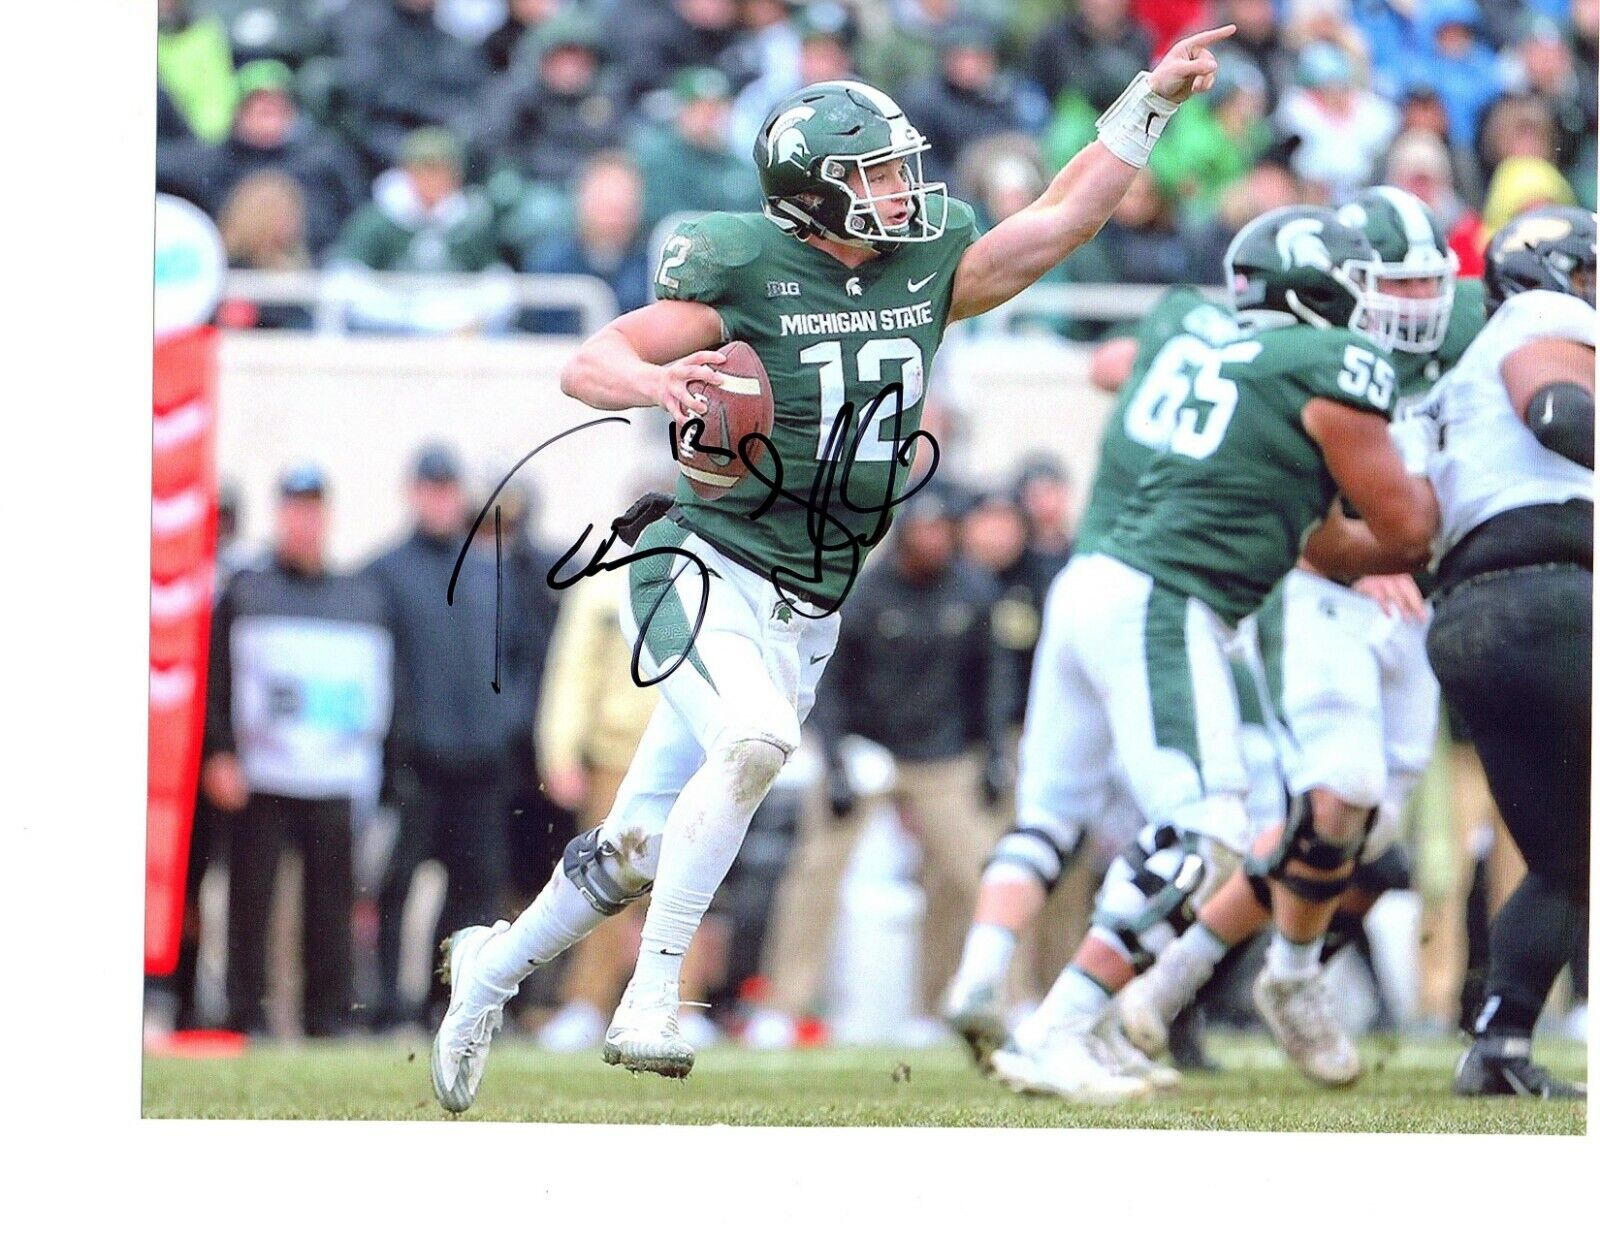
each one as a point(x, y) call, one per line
point(1466, 320)
point(960, 226)
point(702, 259)
point(1171, 316)
point(1344, 367)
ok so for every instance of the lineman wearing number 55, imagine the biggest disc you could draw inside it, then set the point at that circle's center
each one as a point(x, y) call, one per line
point(843, 284)
point(1273, 411)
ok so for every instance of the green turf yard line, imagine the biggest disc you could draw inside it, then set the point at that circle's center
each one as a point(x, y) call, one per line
point(1407, 1089)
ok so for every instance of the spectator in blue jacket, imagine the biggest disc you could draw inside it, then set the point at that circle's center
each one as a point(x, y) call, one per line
point(1458, 63)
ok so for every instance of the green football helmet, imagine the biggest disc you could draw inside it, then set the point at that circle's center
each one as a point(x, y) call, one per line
point(1299, 264)
point(815, 138)
point(1410, 246)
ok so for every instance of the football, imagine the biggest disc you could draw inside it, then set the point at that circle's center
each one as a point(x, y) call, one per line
point(708, 451)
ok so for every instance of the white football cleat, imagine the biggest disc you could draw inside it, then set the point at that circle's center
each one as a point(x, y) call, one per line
point(461, 1048)
point(1149, 1004)
point(977, 1014)
point(1071, 1063)
point(644, 1035)
point(1298, 1013)
point(1130, 1061)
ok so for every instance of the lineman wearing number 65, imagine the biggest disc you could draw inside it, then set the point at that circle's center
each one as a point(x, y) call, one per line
point(1258, 420)
point(843, 285)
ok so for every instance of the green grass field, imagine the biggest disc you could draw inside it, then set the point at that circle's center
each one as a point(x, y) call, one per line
point(1406, 1090)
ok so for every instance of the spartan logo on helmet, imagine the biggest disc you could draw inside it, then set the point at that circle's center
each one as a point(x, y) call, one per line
point(814, 153)
point(1300, 243)
point(1294, 265)
point(785, 142)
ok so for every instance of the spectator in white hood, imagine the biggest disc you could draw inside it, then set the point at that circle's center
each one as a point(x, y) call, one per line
point(1343, 127)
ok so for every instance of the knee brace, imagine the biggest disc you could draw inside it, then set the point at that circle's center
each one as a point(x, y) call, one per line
point(1043, 854)
point(1384, 834)
point(1389, 872)
point(1147, 899)
point(1303, 844)
point(594, 867)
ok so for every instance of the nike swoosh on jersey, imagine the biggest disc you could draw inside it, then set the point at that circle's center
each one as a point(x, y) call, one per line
point(920, 283)
point(821, 657)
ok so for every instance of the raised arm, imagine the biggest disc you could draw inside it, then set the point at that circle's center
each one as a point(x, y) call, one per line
point(1399, 511)
point(1076, 204)
point(646, 358)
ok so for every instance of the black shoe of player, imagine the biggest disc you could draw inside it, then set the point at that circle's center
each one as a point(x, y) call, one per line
point(1495, 1065)
point(1186, 1040)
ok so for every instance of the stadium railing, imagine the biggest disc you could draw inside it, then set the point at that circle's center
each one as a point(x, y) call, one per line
point(595, 304)
point(1081, 302)
point(320, 291)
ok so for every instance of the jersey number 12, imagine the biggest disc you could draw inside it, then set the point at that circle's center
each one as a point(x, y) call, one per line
point(870, 359)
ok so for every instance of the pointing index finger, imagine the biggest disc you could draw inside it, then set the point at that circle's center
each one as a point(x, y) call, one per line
point(1198, 42)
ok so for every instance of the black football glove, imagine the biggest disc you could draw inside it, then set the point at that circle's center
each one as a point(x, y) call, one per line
point(644, 512)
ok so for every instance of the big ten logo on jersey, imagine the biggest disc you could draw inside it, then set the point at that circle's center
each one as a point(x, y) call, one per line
point(782, 287)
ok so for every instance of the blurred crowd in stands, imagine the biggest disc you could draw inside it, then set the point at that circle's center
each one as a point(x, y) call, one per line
point(552, 136)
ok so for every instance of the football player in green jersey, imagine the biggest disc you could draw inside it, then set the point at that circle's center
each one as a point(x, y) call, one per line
point(1262, 422)
point(1345, 667)
point(843, 285)
point(1061, 796)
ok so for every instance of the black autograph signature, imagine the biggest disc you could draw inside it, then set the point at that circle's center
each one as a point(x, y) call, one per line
point(832, 482)
point(825, 530)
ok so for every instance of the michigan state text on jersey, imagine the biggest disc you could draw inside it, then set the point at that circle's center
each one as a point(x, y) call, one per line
point(835, 341)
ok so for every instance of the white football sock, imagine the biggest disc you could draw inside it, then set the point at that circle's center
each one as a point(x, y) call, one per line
point(1203, 944)
point(1074, 998)
point(985, 956)
point(559, 917)
point(705, 829)
point(1288, 960)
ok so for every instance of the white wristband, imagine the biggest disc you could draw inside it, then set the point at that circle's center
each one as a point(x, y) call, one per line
point(1130, 126)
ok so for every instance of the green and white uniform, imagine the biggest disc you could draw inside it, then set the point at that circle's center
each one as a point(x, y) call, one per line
point(1069, 778)
point(743, 644)
point(829, 336)
point(1352, 684)
point(1216, 520)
